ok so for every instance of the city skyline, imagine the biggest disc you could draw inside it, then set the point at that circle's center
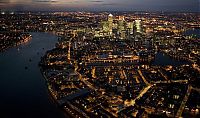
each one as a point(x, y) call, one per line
point(99, 64)
point(100, 5)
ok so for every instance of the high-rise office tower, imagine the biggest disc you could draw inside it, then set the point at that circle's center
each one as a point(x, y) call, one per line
point(121, 23)
point(121, 18)
point(69, 52)
point(138, 26)
point(110, 23)
point(105, 26)
point(130, 27)
point(121, 27)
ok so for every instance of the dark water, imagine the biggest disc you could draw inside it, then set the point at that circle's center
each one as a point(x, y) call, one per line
point(162, 59)
point(193, 32)
point(23, 93)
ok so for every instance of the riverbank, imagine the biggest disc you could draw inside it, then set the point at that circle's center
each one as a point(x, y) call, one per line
point(13, 39)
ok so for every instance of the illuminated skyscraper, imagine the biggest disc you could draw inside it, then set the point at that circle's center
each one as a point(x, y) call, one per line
point(110, 23)
point(121, 27)
point(130, 27)
point(121, 18)
point(105, 26)
point(69, 51)
point(138, 26)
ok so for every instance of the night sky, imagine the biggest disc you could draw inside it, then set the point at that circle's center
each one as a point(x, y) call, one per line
point(101, 5)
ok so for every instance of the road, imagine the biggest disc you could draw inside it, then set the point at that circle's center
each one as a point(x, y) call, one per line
point(162, 74)
point(171, 81)
point(142, 92)
point(185, 99)
point(143, 78)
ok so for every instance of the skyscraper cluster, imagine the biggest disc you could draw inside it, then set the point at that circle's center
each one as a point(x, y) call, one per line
point(119, 28)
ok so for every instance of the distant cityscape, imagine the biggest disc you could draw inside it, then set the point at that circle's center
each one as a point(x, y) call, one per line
point(105, 64)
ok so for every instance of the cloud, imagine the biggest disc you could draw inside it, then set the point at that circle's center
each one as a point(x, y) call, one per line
point(96, 1)
point(111, 4)
point(4, 1)
point(46, 1)
point(137, 5)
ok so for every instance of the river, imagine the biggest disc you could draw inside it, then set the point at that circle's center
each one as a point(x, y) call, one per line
point(23, 91)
